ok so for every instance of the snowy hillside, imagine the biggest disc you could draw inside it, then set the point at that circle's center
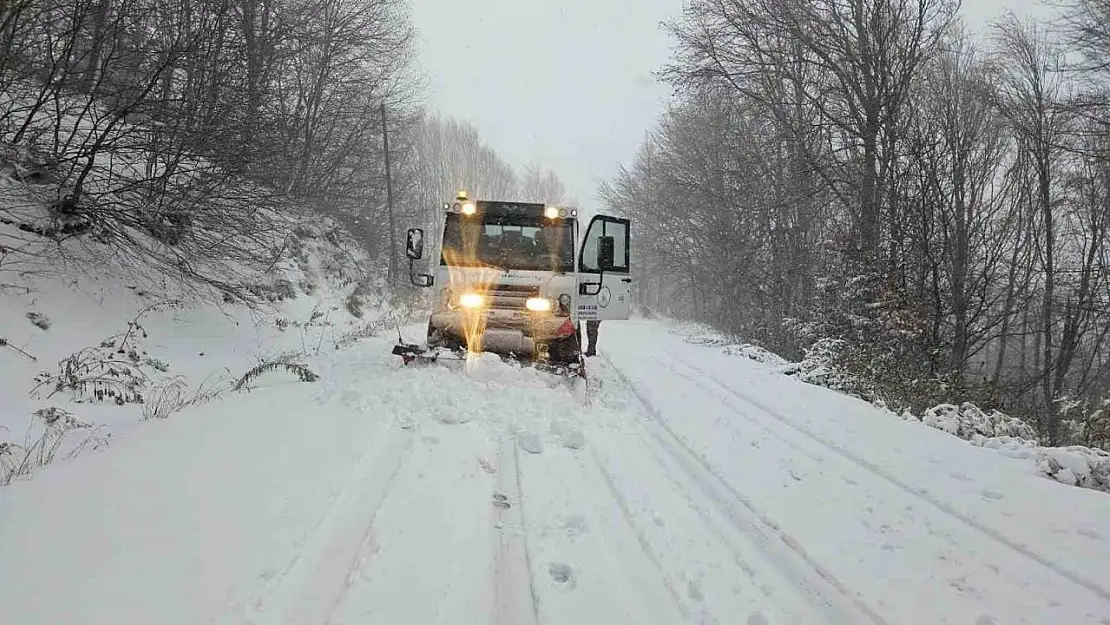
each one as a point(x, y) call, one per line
point(697, 487)
point(92, 342)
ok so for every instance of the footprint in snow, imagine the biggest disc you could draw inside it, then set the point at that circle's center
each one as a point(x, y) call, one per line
point(573, 439)
point(486, 466)
point(758, 619)
point(562, 574)
point(569, 435)
point(452, 418)
point(530, 442)
point(500, 501)
point(574, 525)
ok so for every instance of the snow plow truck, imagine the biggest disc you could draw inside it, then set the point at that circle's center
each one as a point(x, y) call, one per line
point(516, 279)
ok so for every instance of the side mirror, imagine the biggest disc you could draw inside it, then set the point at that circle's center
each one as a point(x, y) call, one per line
point(414, 246)
point(605, 253)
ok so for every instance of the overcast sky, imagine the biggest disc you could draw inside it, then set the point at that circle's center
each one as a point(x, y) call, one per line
point(565, 83)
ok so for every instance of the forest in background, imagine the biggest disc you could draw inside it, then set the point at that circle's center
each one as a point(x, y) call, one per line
point(866, 180)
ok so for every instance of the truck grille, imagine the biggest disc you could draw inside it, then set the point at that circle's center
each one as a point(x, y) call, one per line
point(510, 296)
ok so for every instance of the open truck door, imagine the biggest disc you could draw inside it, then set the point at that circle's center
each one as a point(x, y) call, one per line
point(604, 273)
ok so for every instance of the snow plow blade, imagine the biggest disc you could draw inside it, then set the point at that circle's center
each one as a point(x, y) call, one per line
point(415, 353)
point(573, 374)
point(410, 354)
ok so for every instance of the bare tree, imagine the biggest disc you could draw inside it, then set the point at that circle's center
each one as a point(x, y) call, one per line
point(178, 130)
point(541, 185)
point(862, 171)
point(1030, 94)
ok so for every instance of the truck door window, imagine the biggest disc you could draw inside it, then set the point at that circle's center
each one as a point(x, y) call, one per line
point(598, 229)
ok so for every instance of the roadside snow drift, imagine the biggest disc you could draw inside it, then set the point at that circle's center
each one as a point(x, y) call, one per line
point(696, 487)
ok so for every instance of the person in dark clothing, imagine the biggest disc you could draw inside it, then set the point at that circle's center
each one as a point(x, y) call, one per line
point(592, 328)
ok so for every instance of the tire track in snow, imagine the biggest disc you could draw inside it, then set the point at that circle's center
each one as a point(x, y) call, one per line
point(626, 511)
point(318, 577)
point(819, 586)
point(599, 567)
point(514, 602)
point(884, 475)
point(730, 544)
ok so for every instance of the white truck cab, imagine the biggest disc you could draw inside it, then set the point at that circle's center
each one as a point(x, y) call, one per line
point(517, 278)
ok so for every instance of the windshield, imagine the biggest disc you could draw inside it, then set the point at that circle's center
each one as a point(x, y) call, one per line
point(509, 242)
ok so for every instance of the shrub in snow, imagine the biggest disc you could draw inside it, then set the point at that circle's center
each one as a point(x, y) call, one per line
point(53, 433)
point(365, 330)
point(1076, 466)
point(969, 421)
point(279, 290)
point(354, 305)
point(173, 395)
point(1085, 422)
point(820, 367)
point(114, 370)
point(284, 289)
point(755, 353)
point(283, 363)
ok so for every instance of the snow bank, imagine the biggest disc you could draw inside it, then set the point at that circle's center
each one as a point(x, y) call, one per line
point(1074, 465)
point(818, 368)
point(700, 334)
point(756, 353)
point(1007, 445)
point(967, 421)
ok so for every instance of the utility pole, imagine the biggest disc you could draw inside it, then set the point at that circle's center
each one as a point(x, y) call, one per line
point(389, 204)
point(647, 287)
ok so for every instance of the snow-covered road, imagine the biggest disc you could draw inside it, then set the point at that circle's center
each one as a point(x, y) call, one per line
point(697, 487)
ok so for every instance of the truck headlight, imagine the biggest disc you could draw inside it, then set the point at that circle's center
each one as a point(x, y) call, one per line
point(538, 304)
point(471, 300)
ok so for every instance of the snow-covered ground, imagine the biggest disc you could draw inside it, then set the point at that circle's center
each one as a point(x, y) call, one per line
point(696, 487)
